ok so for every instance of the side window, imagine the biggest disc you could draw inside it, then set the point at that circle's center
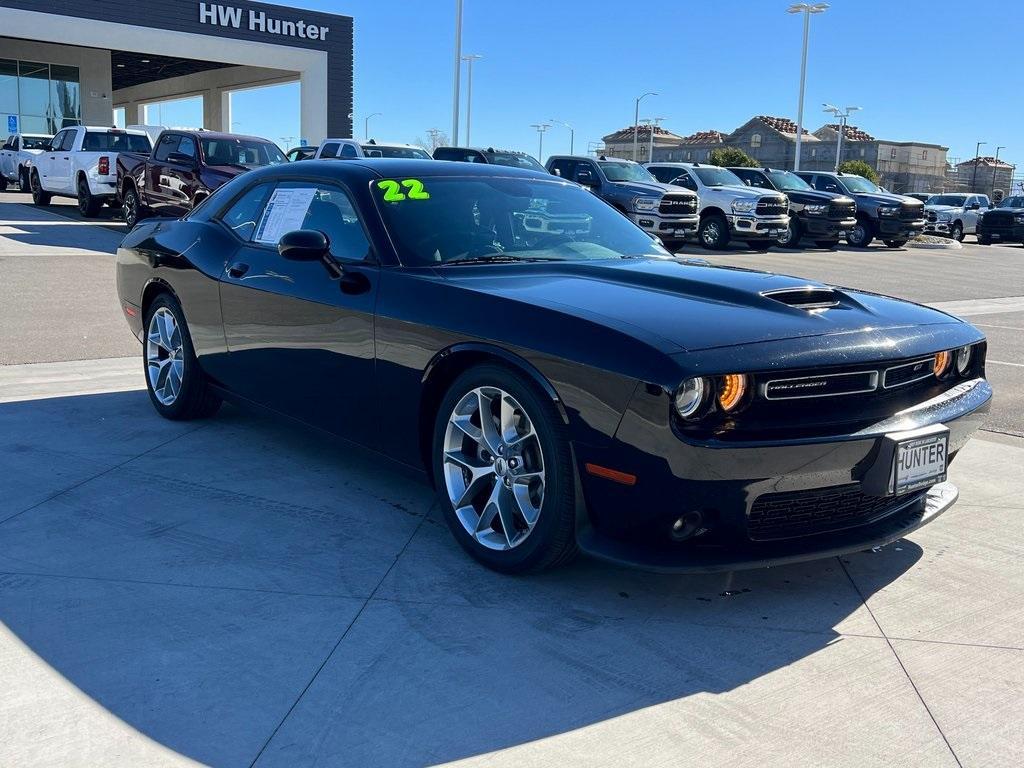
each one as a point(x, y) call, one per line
point(187, 146)
point(241, 217)
point(168, 143)
point(56, 141)
point(584, 168)
point(69, 140)
point(563, 168)
point(755, 141)
point(348, 152)
point(825, 184)
point(301, 205)
point(985, 202)
point(663, 173)
point(685, 180)
point(330, 150)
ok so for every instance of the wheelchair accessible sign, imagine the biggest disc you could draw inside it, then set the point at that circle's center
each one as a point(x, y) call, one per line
point(12, 123)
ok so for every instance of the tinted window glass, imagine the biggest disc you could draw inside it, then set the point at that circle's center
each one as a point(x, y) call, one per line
point(323, 208)
point(168, 143)
point(249, 153)
point(414, 153)
point(348, 151)
point(241, 217)
point(68, 142)
point(514, 161)
point(187, 146)
point(33, 142)
point(563, 168)
point(329, 150)
point(826, 184)
point(55, 142)
point(115, 141)
point(684, 180)
point(664, 173)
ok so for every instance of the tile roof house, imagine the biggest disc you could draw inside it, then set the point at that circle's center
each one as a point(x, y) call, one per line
point(620, 143)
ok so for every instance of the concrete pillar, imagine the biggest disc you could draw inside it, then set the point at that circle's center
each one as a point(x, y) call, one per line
point(312, 105)
point(213, 113)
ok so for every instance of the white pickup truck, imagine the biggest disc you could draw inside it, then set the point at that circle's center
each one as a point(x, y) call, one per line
point(348, 149)
point(17, 156)
point(81, 162)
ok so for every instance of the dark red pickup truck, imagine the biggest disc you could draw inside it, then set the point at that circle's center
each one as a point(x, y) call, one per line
point(184, 167)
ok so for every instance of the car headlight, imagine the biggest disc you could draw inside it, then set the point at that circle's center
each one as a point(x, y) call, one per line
point(889, 210)
point(743, 206)
point(816, 210)
point(732, 390)
point(944, 217)
point(963, 359)
point(689, 397)
point(1019, 218)
point(942, 361)
point(645, 203)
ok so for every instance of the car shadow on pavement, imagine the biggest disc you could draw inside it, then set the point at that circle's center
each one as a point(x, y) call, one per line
point(243, 589)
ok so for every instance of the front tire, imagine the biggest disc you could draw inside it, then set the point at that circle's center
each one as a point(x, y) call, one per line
point(177, 386)
point(793, 234)
point(504, 472)
point(88, 205)
point(713, 232)
point(957, 232)
point(40, 196)
point(860, 236)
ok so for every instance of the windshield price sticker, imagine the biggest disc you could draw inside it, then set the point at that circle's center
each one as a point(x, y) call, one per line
point(393, 190)
point(284, 213)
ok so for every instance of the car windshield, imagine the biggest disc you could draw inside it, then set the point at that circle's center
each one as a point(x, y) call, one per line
point(514, 160)
point(859, 184)
point(789, 182)
point(957, 200)
point(447, 220)
point(1011, 202)
point(115, 141)
point(250, 153)
point(718, 177)
point(34, 142)
point(622, 171)
point(383, 150)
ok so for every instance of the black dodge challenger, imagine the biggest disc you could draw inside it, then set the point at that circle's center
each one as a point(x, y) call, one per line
point(564, 382)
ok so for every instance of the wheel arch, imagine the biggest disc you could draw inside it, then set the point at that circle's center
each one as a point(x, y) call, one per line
point(712, 210)
point(450, 363)
point(151, 290)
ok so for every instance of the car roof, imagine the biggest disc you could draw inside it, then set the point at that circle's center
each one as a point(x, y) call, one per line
point(203, 133)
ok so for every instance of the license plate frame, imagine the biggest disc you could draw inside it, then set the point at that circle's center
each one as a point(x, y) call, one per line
point(920, 462)
point(880, 479)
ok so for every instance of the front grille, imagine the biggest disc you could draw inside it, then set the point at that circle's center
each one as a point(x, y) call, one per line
point(771, 206)
point(998, 219)
point(820, 510)
point(908, 373)
point(911, 211)
point(678, 205)
point(842, 210)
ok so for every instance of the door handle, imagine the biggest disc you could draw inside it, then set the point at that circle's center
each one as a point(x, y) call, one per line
point(238, 269)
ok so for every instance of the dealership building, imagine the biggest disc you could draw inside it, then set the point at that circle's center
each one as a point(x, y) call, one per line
point(101, 62)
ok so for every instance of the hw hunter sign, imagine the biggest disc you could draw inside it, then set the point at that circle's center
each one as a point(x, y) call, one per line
point(258, 21)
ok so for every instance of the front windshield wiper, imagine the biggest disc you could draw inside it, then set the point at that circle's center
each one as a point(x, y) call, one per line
point(496, 258)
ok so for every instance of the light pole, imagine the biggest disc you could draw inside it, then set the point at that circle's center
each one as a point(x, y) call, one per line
point(652, 123)
point(433, 133)
point(469, 58)
point(806, 9)
point(366, 124)
point(843, 116)
point(995, 169)
point(287, 141)
point(572, 133)
point(541, 127)
point(974, 178)
point(457, 95)
point(636, 119)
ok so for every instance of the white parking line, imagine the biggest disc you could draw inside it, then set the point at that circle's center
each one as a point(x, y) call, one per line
point(981, 306)
point(36, 381)
point(1003, 362)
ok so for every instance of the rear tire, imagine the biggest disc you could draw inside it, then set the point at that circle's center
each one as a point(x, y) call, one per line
point(713, 232)
point(3, 183)
point(177, 386)
point(130, 208)
point(829, 244)
point(516, 469)
point(860, 236)
point(23, 182)
point(39, 196)
point(88, 205)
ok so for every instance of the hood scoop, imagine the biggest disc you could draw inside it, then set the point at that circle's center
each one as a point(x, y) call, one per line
point(807, 297)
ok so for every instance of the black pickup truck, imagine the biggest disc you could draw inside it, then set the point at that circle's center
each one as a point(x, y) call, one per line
point(184, 167)
point(1002, 224)
point(823, 217)
point(894, 219)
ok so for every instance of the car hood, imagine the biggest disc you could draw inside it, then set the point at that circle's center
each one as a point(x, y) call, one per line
point(651, 189)
point(679, 307)
point(883, 198)
point(814, 196)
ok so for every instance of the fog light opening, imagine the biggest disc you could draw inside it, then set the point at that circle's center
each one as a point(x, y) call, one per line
point(687, 526)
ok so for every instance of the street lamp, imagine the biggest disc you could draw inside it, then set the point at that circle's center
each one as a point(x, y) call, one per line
point(457, 95)
point(541, 127)
point(636, 119)
point(366, 124)
point(974, 178)
point(995, 169)
point(433, 133)
point(806, 9)
point(469, 58)
point(842, 128)
point(572, 133)
point(652, 123)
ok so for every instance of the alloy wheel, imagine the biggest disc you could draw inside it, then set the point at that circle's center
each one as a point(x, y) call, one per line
point(164, 356)
point(129, 208)
point(711, 234)
point(858, 234)
point(494, 468)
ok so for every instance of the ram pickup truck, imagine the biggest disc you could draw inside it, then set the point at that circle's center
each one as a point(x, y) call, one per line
point(1004, 223)
point(729, 209)
point(823, 217)
point(17, 156)
point(661, 210)
point(349, 149)
point(184, 167)
point(892, 218)
point(954, 215)
point(490, 155)
point(81, 162)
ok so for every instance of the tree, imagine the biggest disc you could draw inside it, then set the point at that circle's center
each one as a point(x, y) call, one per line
point(860, 168)
point(437, 139)
point(731, 157)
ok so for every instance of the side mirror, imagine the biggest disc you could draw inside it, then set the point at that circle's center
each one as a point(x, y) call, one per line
point(181, 159)
point(973, 207)
point(304, 245)
point(586, 178)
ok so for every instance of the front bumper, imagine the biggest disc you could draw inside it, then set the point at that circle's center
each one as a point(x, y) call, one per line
point(899, 229)
point(668, 227)
point(744, 227)
point(725, 480)
point(826, 229)
point(941, 228)
point(1012, 234)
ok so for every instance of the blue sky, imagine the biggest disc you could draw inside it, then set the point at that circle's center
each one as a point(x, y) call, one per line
point(911, 65)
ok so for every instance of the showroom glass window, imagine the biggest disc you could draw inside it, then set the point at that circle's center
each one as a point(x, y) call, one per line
point(42, 97)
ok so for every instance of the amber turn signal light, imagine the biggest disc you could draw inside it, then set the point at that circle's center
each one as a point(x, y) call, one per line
point(734, 387)
point(942, 361)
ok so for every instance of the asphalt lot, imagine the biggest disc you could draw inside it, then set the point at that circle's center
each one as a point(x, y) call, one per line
point(245, 592)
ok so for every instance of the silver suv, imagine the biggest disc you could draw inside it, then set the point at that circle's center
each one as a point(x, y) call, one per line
point(729, 209)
